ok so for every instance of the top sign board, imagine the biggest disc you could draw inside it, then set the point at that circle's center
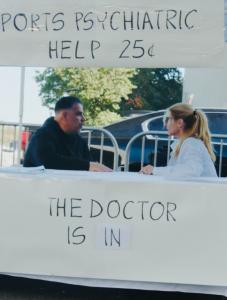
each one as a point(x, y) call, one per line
point(107, 33)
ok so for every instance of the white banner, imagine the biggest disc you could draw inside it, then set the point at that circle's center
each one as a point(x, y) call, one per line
point(113, 226)
point(120, 33)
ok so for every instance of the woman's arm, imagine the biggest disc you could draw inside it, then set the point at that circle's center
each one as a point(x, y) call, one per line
point(189, 162)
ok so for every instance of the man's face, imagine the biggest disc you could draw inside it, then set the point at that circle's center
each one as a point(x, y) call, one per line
point(174, 127)
point(74, 118)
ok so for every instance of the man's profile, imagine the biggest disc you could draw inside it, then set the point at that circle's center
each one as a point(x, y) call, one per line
point(58, 144)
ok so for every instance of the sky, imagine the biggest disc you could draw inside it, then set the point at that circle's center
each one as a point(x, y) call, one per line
point(10, 80)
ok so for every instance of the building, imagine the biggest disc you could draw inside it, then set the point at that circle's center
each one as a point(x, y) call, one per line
point(207, 87)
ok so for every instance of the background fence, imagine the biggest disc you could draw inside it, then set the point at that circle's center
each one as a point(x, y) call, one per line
point(146, 147)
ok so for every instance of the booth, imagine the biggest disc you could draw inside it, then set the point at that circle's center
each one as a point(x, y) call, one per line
point(114, 229)
point(118, 229)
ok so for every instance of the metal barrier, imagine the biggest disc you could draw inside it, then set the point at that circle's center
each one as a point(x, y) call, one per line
point(158, 136)
point(9, 133)
point(101, 147)
point(9, 144)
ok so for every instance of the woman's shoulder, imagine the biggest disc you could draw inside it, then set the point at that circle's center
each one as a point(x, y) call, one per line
point(193, 142)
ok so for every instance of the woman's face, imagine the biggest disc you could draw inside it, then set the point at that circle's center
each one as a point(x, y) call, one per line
point(174, 127)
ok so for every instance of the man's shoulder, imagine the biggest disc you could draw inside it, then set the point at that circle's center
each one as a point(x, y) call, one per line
point(47, 129)
point(80, 138)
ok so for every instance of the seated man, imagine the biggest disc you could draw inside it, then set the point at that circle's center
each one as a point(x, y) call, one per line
point(58, 145)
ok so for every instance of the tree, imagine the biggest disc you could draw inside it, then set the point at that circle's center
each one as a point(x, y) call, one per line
point(157, 88)
point(100, 89)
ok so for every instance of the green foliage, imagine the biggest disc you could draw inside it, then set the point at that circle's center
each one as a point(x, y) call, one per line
point(100, 89)
point(107, 92)
point(105, 118)
point(158, 88)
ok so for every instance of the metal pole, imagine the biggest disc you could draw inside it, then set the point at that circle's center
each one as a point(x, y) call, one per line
point(21, 110)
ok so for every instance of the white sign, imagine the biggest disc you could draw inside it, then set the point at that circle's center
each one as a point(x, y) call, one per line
point(113, 226)
point(120, 33)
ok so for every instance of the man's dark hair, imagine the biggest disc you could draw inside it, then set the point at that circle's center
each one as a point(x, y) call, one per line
point(66, 102)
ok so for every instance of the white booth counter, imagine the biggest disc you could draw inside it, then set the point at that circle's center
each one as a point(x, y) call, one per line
point(121, 230)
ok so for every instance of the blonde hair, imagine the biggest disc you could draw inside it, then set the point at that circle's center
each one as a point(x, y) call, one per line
point(195, 125)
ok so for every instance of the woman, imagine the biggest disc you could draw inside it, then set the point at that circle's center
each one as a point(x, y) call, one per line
point(192, 155)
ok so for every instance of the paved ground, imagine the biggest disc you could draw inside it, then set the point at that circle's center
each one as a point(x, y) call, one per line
point(12, 288)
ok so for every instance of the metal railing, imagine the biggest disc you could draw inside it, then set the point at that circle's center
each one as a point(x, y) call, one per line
point(101, 146)
point(9, 145)
point(157, 136)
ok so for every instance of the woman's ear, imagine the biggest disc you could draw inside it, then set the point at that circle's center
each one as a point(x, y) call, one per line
point(180, 123)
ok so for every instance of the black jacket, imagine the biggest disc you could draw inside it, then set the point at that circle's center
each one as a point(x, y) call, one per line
point(54, 149)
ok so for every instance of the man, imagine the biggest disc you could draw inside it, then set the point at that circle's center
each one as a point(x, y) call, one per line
point(58, 145)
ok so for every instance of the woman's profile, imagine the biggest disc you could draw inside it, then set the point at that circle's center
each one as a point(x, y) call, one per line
point(192, 154)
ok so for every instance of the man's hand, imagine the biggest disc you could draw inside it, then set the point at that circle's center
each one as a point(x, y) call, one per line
point(97, 167)
point(148, 170)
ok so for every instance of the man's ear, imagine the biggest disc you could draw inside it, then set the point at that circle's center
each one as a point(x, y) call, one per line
point(64, 114)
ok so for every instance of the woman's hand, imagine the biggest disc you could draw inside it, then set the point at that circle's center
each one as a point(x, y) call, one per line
point(97, 167)
point(148, 170)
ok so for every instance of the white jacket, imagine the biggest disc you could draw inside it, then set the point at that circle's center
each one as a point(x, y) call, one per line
point(193, 160)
